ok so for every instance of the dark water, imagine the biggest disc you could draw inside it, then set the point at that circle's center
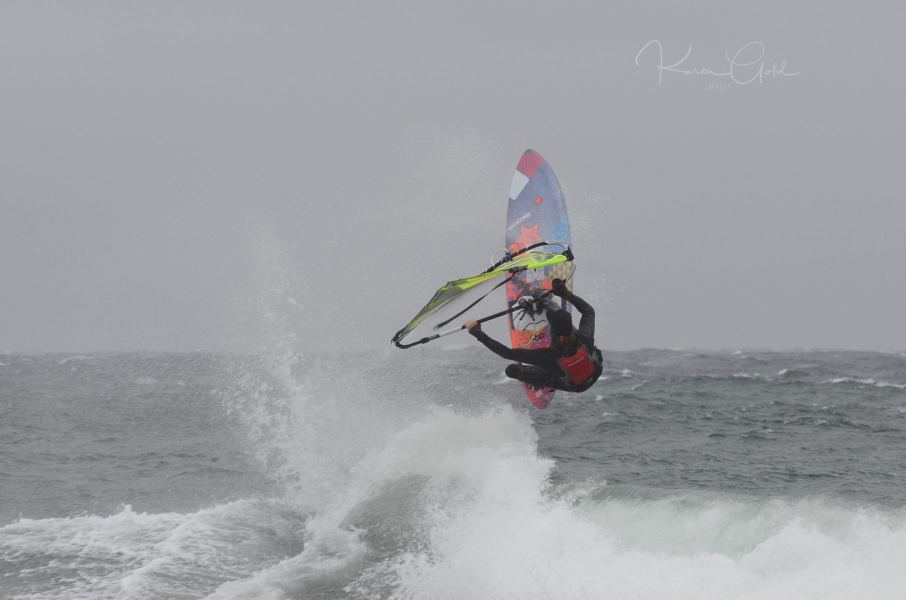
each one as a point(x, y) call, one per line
point(427, 475)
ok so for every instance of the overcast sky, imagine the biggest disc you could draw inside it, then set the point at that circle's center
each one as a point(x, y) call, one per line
point(184, 175)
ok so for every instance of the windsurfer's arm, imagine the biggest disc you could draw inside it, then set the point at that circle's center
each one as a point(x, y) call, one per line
point(587, 322)
point(517, 354)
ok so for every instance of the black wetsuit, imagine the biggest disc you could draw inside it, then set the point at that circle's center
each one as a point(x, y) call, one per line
point(541, 367)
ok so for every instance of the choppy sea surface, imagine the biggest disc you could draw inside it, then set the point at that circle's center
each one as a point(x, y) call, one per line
point(427, 475)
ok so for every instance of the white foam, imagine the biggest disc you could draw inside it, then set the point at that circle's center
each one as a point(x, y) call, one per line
point(530, 547)
point(746, 375)
point(131, 555)
point(212, 546)
point(490, 526)
point(81, 557)
point(455, 453)
point(494, 531)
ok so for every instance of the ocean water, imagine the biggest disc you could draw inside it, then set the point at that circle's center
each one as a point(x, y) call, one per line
point(427, 475)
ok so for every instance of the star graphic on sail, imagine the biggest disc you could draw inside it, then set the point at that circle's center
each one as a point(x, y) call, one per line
point(527, 236)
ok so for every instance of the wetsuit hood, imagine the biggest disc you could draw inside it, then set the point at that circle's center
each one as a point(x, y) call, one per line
point(561, 322)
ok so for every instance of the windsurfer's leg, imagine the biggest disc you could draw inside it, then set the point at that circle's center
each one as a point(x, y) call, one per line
point(531, 375)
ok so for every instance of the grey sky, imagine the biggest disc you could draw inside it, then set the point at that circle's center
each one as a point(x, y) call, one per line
point(214, 174)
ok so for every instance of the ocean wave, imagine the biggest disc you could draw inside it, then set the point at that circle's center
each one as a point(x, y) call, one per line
point(865, 381)
point(483, 521)
point(747, 376)
point(73, 357)
point(462, 505)
point(499, 531)
point(791, 372)
point(390, 496)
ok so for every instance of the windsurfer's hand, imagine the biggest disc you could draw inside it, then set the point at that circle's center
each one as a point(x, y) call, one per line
point(472, 325)
point(558, 288)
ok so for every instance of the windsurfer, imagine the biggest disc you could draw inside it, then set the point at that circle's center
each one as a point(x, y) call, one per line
point(572, 362)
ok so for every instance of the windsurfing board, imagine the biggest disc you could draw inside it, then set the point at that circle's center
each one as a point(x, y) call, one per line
point(536, 212)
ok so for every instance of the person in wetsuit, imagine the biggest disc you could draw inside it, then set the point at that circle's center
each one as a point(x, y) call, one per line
point(572, 363)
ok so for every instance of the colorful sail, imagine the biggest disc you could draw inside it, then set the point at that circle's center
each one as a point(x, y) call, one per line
point(459, 299)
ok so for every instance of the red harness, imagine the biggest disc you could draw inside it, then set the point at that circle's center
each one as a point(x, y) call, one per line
point(578, 367)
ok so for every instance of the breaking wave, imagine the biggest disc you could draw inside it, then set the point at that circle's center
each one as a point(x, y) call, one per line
point(462, 506)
